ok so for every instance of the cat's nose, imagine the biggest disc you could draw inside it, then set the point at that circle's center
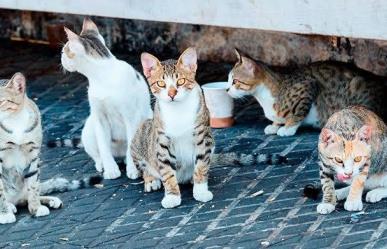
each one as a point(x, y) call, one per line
point(172, 92)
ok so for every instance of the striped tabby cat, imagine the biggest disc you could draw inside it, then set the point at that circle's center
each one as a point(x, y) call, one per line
point(176, 145)
point(307, 96)
point(20, 142)
point(353, 147)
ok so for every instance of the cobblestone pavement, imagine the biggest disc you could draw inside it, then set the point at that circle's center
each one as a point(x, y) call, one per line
point(121, 215)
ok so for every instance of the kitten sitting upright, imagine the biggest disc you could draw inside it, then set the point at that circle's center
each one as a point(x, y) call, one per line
point(306, 96)
point(353, 148)
point(176, 145)
point(20, 143)
point(118, 95)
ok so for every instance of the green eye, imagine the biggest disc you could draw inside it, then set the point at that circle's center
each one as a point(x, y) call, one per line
point(338, 160)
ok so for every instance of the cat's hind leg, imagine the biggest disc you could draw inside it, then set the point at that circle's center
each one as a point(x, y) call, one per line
point(376, 195)
point(90, 144)
point(51, 201)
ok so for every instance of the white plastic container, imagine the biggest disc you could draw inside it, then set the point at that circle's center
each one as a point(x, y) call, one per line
point(219, 103)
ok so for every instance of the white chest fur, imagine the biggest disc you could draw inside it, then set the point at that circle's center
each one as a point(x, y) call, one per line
point(179, 122)
point(266, 100)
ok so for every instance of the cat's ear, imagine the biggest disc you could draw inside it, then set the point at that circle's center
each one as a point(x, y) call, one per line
point(238, 54)
point(248, 64)
point(149, 63)
point(189, 59)
point(88, 24)
point(17, 83)
point(71, 36)
point(364, 133)
point(327, 136)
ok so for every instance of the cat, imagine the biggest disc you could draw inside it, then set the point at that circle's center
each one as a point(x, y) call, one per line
point(353, 147)
point(175, 146)
point(20, 143)
point(118, 95)
point(307, 96)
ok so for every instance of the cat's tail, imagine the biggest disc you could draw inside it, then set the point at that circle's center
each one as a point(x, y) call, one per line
point(241, 159)
point(63, 185)
point(312, 191)
point(65, 142)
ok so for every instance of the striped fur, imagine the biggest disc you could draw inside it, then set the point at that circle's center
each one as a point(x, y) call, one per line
point(20, 143)
point(308, 95)
point(353, 149)
point(176, 145)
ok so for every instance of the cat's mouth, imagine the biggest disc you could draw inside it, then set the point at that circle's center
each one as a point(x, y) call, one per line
point(343, 177)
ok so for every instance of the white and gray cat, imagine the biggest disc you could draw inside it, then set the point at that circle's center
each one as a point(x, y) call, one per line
point(118, 95)
point(20, 144)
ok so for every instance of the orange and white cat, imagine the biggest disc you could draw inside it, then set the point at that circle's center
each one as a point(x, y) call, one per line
point(353, 149)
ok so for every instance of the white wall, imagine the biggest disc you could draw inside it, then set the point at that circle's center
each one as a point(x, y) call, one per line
point(350, 18)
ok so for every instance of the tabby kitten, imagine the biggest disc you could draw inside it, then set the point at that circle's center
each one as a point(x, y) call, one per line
point(176, 145)
point(20, 143)
point(307, 96)
point(118, 95)
point(353, 147)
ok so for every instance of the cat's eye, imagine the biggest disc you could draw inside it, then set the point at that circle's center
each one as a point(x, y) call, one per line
point(160, 83)
point(181, 81)
point(338, 160)
point(357, 159)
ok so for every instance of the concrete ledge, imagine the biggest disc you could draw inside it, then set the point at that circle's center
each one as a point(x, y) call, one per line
point(355, 18)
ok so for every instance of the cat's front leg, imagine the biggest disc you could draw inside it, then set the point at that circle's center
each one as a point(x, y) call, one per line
point(33, 190)
point(205, 144)
point(294, 106)
point(103, 136)
point(6, 209)
point(354, 202)
point(328, 187)
point(166, 162)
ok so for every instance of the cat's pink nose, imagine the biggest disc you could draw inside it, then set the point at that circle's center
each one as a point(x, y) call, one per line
point(172, 92)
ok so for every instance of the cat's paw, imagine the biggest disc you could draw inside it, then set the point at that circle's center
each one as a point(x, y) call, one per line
point(154, 185)
point(325, 208)
point(271, 129)
point(111, 172)
point(376, 195)
point(341, 194)
point(11, 208)
point(286, 131)
point(6, 218)
point(42, 211)
point(353, 205)
point(171, 201)
point(98, 166)
point(132, 173)
point(55, 202)
point(201, 192)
